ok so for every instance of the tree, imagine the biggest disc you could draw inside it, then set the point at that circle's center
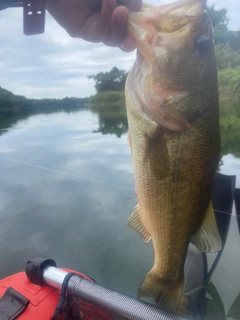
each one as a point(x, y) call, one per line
point(234, 40)
point(220, 24)
point(218, 16)
point(113, 80)
point(8, 100)
point(227, 42)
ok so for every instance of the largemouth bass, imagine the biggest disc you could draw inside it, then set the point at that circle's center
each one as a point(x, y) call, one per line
point(172, 109)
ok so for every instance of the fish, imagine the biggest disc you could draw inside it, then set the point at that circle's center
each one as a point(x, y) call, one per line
point(173, 116)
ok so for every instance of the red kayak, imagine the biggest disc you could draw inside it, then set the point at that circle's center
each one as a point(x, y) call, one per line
point(23, 300)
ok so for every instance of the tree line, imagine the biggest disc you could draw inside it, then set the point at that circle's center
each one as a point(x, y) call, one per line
point(9, 101)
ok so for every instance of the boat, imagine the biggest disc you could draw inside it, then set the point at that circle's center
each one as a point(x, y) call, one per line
point(44, 292)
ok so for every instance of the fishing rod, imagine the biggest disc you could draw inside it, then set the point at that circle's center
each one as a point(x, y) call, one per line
point(40, 271)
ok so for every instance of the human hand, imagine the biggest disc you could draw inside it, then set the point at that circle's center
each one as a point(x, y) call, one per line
point(96, 20)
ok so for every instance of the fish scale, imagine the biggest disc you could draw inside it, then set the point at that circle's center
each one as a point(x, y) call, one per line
point(172, 109)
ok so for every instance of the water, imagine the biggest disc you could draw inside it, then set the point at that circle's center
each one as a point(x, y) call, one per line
point(67, 191)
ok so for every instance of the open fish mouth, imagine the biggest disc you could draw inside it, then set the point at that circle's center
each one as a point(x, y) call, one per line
point(157, 25)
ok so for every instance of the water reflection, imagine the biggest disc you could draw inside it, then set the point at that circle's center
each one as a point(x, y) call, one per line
point(111, 120)
point(114, 121)
point(79, 218)
point(9, 119)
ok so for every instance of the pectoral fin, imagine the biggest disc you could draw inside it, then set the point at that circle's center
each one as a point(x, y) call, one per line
point(135, 224)
point(207, 237)
point(157, 154)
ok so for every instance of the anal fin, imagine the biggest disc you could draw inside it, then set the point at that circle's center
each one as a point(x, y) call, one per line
point(135, 224)
point(207, 237)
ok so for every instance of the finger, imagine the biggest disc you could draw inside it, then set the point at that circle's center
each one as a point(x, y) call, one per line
point(67, 14)
point(132, 5)
point(103, 24)
point(118, 26)
point(128, 44)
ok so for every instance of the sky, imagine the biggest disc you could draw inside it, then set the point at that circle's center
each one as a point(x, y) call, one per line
point(54, 65)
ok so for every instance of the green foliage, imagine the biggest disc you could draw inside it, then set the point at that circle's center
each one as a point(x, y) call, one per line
point(220, 21)
point(227, 57)
point(59, 103)
point(227, 42)
point(113, 80)
point(234, 311)
point(218, 17)
point(108, 98)
point(229, 83)
point(111, 120)
point(221, 34)
point(215, 308)
point(230, 136)
point(9, 101)
point(230, 127)
point(234, 40)
point(227, 50)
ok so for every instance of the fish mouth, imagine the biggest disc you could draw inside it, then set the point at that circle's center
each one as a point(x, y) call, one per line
point(154, 25)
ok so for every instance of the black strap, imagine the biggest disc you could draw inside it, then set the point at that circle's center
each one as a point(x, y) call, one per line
point(35, 268)
point(12, 304)
point(237, 205)
point(62, 296)
point(222, 199)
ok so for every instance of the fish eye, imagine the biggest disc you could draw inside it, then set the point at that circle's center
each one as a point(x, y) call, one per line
point(202, 44)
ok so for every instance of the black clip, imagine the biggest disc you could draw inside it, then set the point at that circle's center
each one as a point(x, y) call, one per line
point(35, 268)
point(33, 16)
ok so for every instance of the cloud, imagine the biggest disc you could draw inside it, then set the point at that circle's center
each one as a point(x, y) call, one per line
point(54, 65)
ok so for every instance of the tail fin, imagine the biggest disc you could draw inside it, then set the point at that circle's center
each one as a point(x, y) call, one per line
point(166, 293)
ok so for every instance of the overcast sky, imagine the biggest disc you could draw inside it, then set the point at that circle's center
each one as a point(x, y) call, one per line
point(54, 65)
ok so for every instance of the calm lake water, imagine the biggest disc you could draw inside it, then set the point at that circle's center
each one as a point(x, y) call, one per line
point(67, 190)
